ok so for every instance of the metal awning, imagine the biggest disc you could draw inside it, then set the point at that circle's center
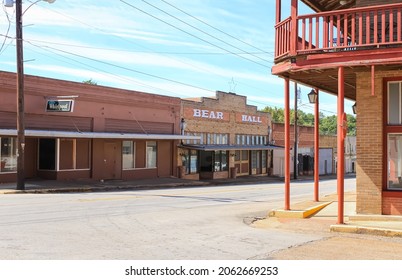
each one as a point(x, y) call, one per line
point(229, 147)
point(96, 135)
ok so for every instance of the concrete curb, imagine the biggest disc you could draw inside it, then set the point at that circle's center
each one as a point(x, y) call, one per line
point(366, 230)
point(103, 188)
point(299, 214)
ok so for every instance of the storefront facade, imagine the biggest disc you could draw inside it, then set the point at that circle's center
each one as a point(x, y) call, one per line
point(234, 138)
point(76, 130)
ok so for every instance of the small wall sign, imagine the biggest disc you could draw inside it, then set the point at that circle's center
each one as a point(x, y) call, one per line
point(59, 105)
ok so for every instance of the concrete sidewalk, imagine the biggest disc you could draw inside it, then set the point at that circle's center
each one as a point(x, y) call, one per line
point(87, 185)
point(327, 208)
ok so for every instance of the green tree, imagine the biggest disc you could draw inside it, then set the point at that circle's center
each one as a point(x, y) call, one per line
point(328, 124)
point(90, 82)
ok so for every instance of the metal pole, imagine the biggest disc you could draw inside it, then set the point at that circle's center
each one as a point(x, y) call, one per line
point(340, 145)
point(20, 100)
point(316, 148)
point(295, 137)
point(287, 146)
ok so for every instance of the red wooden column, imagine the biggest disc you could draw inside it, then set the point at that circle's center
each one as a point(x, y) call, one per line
point(316, 148)
point(287, 145)
point(341, 145)
point(278, 10)
point(294, 29)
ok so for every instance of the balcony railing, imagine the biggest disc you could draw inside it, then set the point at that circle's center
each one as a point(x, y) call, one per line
point(342, 30)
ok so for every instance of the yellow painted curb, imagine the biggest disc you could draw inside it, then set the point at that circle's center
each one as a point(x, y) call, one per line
point(299, 214)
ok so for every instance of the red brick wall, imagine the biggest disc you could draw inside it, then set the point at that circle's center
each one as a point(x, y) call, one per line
point(369, 144)
point(392, 203)
point(306, 135)
point(371, 199)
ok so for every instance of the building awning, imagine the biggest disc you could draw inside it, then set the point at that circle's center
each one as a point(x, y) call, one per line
point(96, 135)
point(230, 147)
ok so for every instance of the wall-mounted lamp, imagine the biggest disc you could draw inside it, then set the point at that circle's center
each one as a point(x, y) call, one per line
point(354, 108)
point(312, 96)
point(232, 155)
point(182, 126)
point(343, 2)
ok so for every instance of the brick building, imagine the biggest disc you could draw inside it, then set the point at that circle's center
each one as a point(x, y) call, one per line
point(76, 130)
point(352, 49)
point(234, 138)
point(305, 150)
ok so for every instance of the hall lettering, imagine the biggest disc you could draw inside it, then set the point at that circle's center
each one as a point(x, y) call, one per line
point(252, 119)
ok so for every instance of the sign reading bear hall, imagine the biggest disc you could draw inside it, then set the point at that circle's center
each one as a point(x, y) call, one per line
point(59, 105)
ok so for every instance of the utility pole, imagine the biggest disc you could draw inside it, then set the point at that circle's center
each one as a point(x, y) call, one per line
point(20, 100)
point(295, 165)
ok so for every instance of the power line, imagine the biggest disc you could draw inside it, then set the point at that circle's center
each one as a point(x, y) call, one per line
point(217, 29)
point(133, 51)
point(200, 30)
point(195, 36)
point(129, 69)
point(8, 30)
point(95, 68)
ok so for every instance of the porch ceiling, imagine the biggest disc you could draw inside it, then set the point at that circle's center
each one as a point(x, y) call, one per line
point(327, 79)
point(328, 5)
point(321, 70)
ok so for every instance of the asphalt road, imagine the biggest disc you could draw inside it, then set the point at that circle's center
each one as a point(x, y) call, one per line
point(170, 224)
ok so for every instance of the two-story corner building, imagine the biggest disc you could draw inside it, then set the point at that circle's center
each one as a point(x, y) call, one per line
point(76, 130)
point(234, 138)
point(352, 49)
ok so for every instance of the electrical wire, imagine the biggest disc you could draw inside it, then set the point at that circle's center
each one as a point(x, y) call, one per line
point(217, 29)
point(8, 30)
point(192, 35)
point(131, 42)
point(128, 69)
point(200, 30)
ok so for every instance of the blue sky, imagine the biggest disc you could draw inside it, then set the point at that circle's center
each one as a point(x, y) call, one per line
point(171, 47)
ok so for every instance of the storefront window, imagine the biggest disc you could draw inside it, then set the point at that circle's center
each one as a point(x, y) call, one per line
point(8, 156)
point(74, 154)
point(151, 154)
point(66, 154)
point(394, 103)
point(47, 154)
point(189, 159)
point(128, 154)
point(221, 161)
point(395, 161)
point(264, 159)
point(244, 155)
point(193, 161)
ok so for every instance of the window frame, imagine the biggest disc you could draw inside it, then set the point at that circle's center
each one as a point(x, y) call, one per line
point(147, 164)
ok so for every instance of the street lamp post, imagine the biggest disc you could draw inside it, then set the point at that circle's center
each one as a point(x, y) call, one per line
point(313, 98)
point(20, 91)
